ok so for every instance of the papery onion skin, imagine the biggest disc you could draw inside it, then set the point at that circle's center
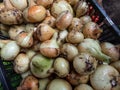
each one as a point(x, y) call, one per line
point(105, 77)
point(63, 20)
point(60, 6)
point(61, 67)
point(92, 30)
point(21, 63)
point(10, 51)
point(30, 82)
point(59, 84)
point(83, 87)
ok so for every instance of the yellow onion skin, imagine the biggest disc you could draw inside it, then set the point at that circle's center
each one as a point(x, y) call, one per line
point(92, 30)
point(64, 20)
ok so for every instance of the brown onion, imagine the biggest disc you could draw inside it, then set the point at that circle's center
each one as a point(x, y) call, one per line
point(63, 20)
point(92, 30)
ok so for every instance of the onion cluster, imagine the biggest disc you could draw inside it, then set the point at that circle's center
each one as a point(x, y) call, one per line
point(53, 45)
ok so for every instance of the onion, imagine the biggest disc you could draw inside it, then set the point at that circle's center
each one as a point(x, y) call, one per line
point(43, 83)
point(50, 48)
point(75, 79)
point(84, 64)
point(63, 20)
point(59, 84)
point(4, 42)
point(25, 74)
point(85, 19)
point(83, 87)
point(25, 39)
point(59, 6)
point(45, 3)
point(44, 32)
point(10, 50)
point(105, 77)
point(62, 37)
point(41, 66)
point(30, 27)
point(110, 50)
point(76, 24)
point(61, 67)
point(15, 31)
point(21, 63)
point(49, 19)
point(81, 8)
point(72, 2)
point(91, 30)
point(30, 54)
point(66, 51)
point(10, 15)
point(34, 13)
point(19, 4)
point(116, 65)
point(30, 82)
point(75, 37)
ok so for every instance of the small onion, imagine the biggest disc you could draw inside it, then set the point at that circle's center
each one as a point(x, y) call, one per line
point(30, 82)
point(75, 37)
point(19, 4)
point(43, 83)
point(59, 6)
point(21, 63)
point(25, 74)
point(44, 32)
point(105, 77)
point(85, 19)
point(25, 39)
point(10, 51)
point(69, 51)
point(92, 30)
point(83, 87)
point(61, 67)
point(116, 65)
point(15, 31)
point(110, 50)
point(45, 3)
point(63, 20)
point(34, 13)
point(59, 84)
point(50, 47)
point(76, 24)
point(84, 64)
point(75, 79)
point(81, 8)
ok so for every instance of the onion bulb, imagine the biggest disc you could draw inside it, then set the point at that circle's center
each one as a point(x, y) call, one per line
point(85, 19)
point(61, 67)
point(41, 66)
point(75, 37)
point(105, 77)
point(59, 6)
point(30, 82)
point(84, 64)
point(25, 74)
point(110, 50)
point(10, 50)
point(45, 3)
point(81, 8)
point(34, 13)
point(50, 47)
point(25, 39)
point(69, 51)
point(76, 24)
point(44, 32)
point(15, 30)
point(21, 63)
point(43, 82)
point(63, 20)
point(116, 65)
point(59, 84)
point(75, 79)
point(19, 4)
point(10, 15)
point(83, 87)
point(92, 30)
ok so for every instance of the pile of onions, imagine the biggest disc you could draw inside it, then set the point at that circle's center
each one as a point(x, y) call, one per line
point(53, 45)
